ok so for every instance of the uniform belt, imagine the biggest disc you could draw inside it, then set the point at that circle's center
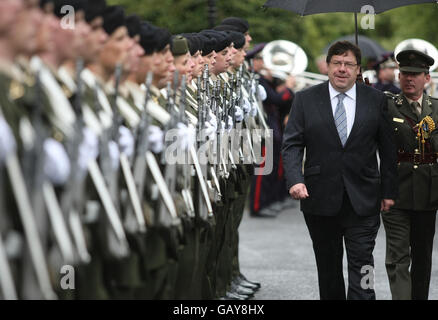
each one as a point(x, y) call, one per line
point(417, 158)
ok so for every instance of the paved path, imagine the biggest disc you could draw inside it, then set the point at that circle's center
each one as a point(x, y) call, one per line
point(278, 253)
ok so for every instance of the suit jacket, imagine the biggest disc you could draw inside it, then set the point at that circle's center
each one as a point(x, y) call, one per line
point(331, 169)
point(417, 184)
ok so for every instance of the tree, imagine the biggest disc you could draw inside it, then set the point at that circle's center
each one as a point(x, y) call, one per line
point(312, 32)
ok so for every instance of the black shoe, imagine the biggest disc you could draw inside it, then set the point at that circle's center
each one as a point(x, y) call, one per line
point(276, 207)
point(240, 290)
point(289, 203)
point(241, 277)
point(246, 284)
point(264, 213)
point(234, 296)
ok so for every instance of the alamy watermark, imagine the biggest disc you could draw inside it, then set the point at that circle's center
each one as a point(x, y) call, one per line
point(368, 21)
point(237, 146)
point(67, 281)
point(69, 18)
point(367, 281)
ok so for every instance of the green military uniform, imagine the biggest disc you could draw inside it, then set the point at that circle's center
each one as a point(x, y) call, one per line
point(12, 90)
point(410, 224)
point(22, 99)
point(163, 243)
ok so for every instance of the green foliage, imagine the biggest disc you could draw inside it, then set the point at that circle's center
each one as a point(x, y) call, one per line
point(312, 32)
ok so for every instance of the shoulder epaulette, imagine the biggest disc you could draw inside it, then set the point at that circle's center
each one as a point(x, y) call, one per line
point(397, 98)
point(391, 95)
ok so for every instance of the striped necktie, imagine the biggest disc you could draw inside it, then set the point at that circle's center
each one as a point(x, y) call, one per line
point(341, 119)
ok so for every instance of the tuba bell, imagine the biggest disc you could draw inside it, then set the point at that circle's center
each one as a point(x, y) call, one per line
point(284, 58)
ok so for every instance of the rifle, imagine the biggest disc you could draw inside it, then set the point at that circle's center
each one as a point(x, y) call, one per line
point(242, 90)
point(24, 203)
point(231, 109)
point(218, 131)
point(186, 192)
point(109, 194)
point(135, 203)
point(204, 207)
point(72, 202)
point(7, 284)
point(125, 164)
point(205, 111)
point(6, 280)
point(142, 146)
point(224, 120)
point(169, 169)
point(213, 169)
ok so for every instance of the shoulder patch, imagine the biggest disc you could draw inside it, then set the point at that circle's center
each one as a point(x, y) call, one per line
point(397, 98)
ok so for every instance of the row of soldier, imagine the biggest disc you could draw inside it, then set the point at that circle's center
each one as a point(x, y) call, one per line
point(92, 208)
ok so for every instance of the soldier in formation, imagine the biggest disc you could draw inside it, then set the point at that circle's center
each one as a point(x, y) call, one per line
point(121, 176)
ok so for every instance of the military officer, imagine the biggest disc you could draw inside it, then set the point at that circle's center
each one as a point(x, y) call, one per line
point(410, 224)
point(385, 74)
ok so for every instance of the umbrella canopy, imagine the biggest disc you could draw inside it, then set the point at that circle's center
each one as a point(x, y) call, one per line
point(370, 49)
point(307, 7)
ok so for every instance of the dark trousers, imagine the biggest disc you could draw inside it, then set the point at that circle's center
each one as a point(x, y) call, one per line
point(409, 242)
point(359, 234)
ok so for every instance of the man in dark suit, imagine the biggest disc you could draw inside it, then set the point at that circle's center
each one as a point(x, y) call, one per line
point(341, 125)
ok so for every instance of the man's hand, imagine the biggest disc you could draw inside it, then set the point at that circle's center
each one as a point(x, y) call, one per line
point(386, 205)
point(299, 191)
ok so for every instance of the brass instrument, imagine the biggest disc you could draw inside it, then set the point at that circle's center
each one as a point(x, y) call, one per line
point(284, 58)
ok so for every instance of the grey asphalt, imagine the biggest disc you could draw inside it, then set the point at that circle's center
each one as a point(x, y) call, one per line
point(278, 253)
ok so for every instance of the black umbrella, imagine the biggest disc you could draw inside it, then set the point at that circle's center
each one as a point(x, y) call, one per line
point(307, 7)
point(370, 49)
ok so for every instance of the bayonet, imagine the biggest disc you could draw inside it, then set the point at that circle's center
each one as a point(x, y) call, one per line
point(169, 169)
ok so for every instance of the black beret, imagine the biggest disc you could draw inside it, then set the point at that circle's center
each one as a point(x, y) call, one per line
point(225, 27)
point(195, 42)
point(164, 38)
point(114, 18)
point(414, 61)
point(94, 9)
point(153, 39)
point(238, 38)
point(133, 23)
point(208, 43)
point(240, 23)
point(148, 39)
point(221, 37)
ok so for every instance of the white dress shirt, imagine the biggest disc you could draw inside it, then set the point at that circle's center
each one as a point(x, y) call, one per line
point(349, 104)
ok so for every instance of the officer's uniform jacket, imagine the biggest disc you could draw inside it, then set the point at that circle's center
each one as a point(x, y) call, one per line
point(417, 181)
